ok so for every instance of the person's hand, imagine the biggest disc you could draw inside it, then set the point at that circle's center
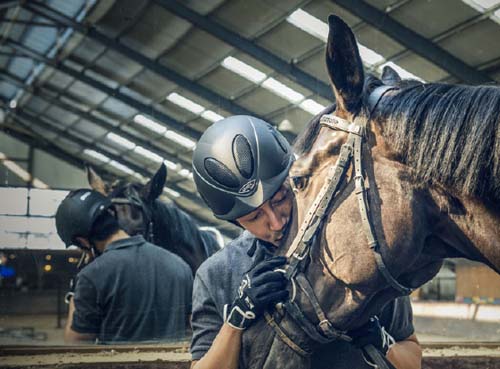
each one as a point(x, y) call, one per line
point(261, 287)
point(372, 333)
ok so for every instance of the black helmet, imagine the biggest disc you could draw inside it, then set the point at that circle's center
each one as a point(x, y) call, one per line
point(77, 213)
point(238, 164)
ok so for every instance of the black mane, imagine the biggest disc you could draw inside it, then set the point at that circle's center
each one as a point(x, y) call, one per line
point(449, 134)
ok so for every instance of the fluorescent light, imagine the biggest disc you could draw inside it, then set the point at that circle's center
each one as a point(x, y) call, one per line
point(369, 56)
point(282, 90)
point(139, 177)
point(122, 141)
point(403, 73)
point(148, 154)
point(12, 104)
point(185, 103)
point(311, 106)
point(211, 116)
point(243, 69)
point(96, 155)
point(17, 170)
point(309, 24)
point(121, 167)
point(171, 165)
point(181, 140)
point(149, 124)
point(171, 192)
point(39, 184)
point(184, 173)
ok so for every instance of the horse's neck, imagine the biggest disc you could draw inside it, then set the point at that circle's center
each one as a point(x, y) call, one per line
point(468, 226)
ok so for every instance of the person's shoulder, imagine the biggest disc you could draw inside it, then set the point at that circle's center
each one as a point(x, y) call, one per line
point(174, 260)
point(232, 251)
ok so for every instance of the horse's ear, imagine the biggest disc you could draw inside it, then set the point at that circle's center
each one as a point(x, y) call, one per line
point(345, 67)
point(154, 187)
point(95, 181)
point(390, 77)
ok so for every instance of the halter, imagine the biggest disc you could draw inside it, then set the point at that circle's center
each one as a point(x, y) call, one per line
point(324, 331)
point(132, 198)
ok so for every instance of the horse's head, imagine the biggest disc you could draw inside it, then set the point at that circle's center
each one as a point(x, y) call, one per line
point(133, 201)
point(344, 272)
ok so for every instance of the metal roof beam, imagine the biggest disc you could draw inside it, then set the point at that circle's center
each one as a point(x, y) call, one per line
point(38, 91)
point(195, 87)
point(168, 121)
point(249, 47)
point(413, 41)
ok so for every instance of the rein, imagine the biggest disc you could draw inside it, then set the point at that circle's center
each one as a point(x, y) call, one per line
point(324, 331)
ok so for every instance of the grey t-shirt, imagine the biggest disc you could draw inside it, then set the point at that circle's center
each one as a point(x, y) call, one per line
point(216, 284)
point(134, 292)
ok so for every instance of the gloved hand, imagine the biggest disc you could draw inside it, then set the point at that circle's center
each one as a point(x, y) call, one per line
point(260, 288)
point(372, 333)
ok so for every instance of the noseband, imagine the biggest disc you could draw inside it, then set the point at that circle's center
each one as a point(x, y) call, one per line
point(132, 198)
point(324, 331)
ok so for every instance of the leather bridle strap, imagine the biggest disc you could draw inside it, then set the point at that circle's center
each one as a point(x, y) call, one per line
point(360, 191)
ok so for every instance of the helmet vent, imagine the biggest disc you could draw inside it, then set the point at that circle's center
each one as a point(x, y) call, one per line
point(279, 139)
point(220, 173)
point(243, 156)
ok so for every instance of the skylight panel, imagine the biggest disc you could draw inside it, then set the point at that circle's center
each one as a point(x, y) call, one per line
point(121, 167)
point(403, 73)
point(185, 103)
point(148, 154)
point(96, 155)
point(282, 90)
point(149, 124)
point(211, 116)
point(311, 106)
point(243, 69)
point(180, 139)
point(122, 141)
point(308, 23)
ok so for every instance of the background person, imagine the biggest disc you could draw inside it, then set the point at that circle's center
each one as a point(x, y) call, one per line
point(240, 168)
point(132, 290)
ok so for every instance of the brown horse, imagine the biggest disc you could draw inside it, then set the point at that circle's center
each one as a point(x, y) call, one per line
point(139, 211)
point(432, 172)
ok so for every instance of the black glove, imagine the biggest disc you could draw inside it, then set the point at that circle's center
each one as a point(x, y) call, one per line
point(261, 287)
point(372, 333)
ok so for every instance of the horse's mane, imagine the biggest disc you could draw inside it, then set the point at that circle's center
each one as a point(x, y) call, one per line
point(176, 227)
point(448, 134)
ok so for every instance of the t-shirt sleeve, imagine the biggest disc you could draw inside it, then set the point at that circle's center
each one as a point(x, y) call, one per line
point(87, 316)
point(205, 320)
point(397, 318)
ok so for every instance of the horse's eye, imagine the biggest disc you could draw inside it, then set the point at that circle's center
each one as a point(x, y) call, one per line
point(299, 182)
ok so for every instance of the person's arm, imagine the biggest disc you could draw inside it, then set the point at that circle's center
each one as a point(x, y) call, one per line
point(406, 354)
point(224, 352)
point(70, 336)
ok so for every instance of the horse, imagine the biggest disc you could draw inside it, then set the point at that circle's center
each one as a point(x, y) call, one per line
point(139, 211)
point(422, 185)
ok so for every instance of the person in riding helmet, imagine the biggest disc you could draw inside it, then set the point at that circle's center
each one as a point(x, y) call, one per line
point(131, 291)
point(240, 168)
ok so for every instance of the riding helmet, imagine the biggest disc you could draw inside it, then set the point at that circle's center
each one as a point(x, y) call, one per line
point(77, 213)
point(238, 164)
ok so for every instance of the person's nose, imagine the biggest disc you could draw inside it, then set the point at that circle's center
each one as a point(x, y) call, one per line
point(276, 220)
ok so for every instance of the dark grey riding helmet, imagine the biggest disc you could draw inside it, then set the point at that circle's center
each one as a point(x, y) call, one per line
point(77, 213)
point(238, 164)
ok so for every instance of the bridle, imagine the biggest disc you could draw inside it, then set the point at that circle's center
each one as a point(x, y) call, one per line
point(128, 195)
point(351, 151)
